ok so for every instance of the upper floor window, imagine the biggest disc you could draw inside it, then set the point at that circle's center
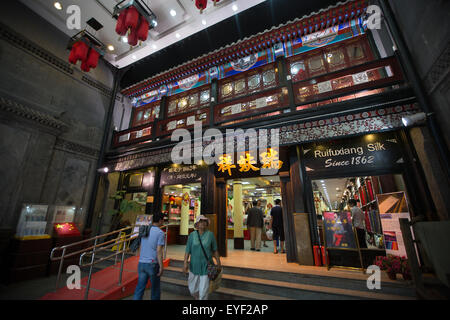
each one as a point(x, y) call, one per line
point(146, 114)
point(330, 59)
point(189, 101)
point(248, 83)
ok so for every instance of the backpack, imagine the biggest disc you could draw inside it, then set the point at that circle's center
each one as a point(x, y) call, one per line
point(144, 232)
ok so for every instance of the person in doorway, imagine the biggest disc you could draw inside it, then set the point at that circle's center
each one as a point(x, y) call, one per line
point(358, 222)
point(151, 260)
point(195, 261)
point(276, 224)
point(255, 222)
point(265, 223)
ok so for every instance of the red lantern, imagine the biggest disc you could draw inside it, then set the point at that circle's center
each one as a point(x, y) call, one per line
point(92, 59)
point(201, 4)
point(85, 67)
point(72, 57)
point(142, 32)
point(132, 18)
point(79, 52)
point(121, 29)
point(133, 38)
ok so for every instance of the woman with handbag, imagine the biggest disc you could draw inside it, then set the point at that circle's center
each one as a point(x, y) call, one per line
point(200, 248)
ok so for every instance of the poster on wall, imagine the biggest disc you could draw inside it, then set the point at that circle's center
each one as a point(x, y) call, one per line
point(393, 206)
point(338, 230)
point(63, 214)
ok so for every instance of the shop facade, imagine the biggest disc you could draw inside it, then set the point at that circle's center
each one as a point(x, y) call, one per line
point(337, 104)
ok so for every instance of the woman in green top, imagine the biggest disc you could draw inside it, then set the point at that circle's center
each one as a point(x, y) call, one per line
point(198, 267)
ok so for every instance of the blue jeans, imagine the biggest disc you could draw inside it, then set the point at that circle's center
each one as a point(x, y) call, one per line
point(148, 271)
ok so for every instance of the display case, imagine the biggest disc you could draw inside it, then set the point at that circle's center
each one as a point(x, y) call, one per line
point(33, 221)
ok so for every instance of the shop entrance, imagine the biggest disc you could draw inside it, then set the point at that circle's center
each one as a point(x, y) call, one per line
point(181, 205)
point(243, 194)
point(382, 200)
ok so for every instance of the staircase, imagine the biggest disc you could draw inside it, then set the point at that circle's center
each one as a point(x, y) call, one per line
point(252, 284)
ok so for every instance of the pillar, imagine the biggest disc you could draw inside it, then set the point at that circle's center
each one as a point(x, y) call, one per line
point(238, 215)
point(184, 223)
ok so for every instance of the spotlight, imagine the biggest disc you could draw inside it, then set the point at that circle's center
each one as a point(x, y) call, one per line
point(414, 119)
point(173, 13)
point(103, 170)
point(234, 7)
point(111, 47)
point(58, 5)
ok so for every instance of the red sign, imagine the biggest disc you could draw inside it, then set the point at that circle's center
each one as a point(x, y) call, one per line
point(67, 229)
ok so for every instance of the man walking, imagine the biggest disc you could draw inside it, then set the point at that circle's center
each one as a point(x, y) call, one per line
point(151, 260)
point(255, 222)
point(358, 218)
point(276, 224)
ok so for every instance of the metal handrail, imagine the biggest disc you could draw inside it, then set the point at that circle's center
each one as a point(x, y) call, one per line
point(92, 250)
point(95, 239)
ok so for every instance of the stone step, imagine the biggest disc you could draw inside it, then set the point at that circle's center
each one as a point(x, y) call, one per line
point(289, 289)
point(181, 287)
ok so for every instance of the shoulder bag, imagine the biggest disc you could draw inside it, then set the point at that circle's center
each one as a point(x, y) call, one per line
point(214, 272)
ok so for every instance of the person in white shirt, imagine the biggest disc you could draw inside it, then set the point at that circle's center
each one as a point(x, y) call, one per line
point(358, 220)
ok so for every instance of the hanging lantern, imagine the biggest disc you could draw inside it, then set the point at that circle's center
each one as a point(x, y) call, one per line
point(142, 32)
point(79, 52)
point(72, 57)
point(132, 18)
point(133, 37)
point(85, 67)
point(121, 29)
point(92, 59)
point(201, 5)
point(215, 2)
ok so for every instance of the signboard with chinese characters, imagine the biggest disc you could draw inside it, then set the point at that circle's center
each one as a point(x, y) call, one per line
point(371, 151)
point(246, 165)
point(338, 230)
point(181, 174)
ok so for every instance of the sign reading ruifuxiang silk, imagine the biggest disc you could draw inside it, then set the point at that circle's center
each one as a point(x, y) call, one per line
point(371, 151)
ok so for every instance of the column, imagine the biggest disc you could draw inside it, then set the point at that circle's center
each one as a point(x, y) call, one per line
point(238, 215)
point(184, 223)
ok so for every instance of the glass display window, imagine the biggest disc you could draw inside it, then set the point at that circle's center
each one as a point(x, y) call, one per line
point(175, 197)
point(33, 221)
point(146, 114)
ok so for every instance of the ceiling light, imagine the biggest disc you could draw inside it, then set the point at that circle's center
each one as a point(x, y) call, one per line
point(177, 35)
point(124, 39)
point(154, 23)
point(154, 46)
point(58, 5)
point(204, 22)
point(234, 7)
point(173, 13)
point(111, 47)
point(134, 56)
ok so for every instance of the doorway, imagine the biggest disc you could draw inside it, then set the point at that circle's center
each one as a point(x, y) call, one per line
point(382, 200)
point(258, 192)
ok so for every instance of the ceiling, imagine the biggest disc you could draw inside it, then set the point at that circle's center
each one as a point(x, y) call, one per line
point(199, 34)
point(332, 190)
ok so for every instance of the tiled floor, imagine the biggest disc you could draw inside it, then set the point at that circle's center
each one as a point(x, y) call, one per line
point(267, 260)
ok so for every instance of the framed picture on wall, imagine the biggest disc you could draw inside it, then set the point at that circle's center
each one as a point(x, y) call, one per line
point(136, 180)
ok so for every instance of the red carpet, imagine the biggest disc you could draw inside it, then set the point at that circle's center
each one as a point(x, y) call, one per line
point(104, 284)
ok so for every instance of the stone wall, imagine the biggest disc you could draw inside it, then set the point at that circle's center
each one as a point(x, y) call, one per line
point(52, 117)
point(426, 31)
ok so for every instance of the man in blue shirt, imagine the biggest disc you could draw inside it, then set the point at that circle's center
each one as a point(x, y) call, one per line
point(151, 260)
